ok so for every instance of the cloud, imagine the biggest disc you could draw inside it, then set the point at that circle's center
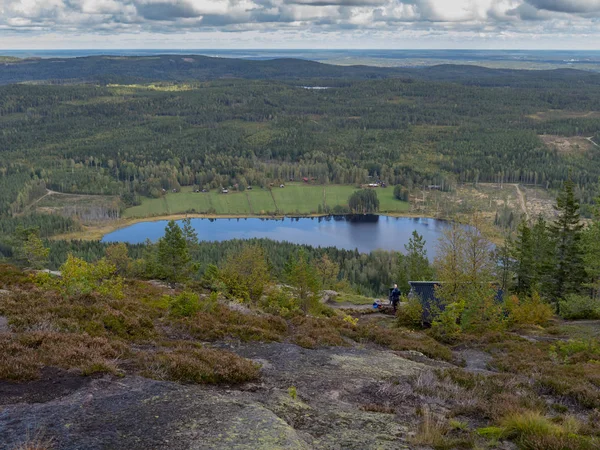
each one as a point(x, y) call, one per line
point(567, 6)
point(305, 19)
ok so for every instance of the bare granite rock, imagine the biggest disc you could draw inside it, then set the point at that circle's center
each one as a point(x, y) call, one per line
point(137, 413)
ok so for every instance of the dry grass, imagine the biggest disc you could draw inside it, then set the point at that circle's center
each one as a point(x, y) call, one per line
point(37, 442)
point(377, 408)
point(190, 363)
point(436, 432)
point(24, 354)
point(224, 322)
point(399, 339)
point(576, 377)
point(311, 332)
point(40, 309)
point(532, 430)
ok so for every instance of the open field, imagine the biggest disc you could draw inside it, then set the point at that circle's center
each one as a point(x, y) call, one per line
point(88, 209)
point(556, 114)
point(295, 198)
point(566, 145)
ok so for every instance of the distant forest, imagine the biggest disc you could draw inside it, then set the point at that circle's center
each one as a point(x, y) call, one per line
point(82, 126)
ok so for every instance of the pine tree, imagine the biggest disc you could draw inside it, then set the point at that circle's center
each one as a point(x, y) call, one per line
point(522, 251)
point(417, 264)
point(191, 238)
point(304, 279)
point(569, 274)
point(544, 260)
point(505, 263)
point(328, 272)
point(591, 246)
point(174, 262)
point(30, 250)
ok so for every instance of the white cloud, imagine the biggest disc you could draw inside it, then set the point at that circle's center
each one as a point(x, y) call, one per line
point(302, 20)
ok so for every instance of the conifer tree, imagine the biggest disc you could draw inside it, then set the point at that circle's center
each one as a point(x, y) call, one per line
point(417, 264)
point(304, 279)
point(544, 260)
point(523, 254)
point(591, 246)
point(364, 201)
point(174, 262)
point(191, 238)
point(569, 274)
point(30, 250)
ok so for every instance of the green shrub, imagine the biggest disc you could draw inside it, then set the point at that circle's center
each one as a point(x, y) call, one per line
point(411, 313)
point(577, 350)
point(185, 304)
point(528, 311)
point(482, 313)
point(293, 392)
point(280, 303)
point(445, 327)
point(575, 307)
point(79, 277)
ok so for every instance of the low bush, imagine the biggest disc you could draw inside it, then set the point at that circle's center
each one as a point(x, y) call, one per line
point(445, 327)
point(96, 315)
point(79, 277)
point(577, 351)
point(528, 311)
point(185, 304)
point(410, 314)
point(225, 322)
point(312, 332)
point(396, 339)
point(196, 364)
point(561, 369)
point(281, 303)
point(23, 355)
point(575, 307)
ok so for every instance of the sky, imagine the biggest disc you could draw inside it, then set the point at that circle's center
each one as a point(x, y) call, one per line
point(263, 24)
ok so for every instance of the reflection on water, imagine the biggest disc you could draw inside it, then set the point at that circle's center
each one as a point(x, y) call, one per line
point(362, 232)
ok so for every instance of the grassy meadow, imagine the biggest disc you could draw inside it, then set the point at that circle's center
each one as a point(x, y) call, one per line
point(293, 199)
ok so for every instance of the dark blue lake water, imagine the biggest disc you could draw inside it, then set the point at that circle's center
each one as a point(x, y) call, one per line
point(365, 233)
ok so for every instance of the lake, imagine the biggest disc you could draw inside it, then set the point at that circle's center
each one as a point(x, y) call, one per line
point(365, 233)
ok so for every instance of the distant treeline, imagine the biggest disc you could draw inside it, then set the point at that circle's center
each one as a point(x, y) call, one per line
point(370, 274)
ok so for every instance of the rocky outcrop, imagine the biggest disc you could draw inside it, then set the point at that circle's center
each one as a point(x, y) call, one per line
point(137, 413)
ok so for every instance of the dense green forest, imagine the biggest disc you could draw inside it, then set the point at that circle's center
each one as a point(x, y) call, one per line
point(456, 124)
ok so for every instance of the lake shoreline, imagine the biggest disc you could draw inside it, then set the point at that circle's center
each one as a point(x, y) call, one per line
point(362, 232)
point(97, 232)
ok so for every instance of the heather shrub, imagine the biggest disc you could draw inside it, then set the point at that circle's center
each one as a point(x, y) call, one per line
point(199, 365)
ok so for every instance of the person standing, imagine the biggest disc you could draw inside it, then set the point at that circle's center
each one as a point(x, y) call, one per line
point(395, 297)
